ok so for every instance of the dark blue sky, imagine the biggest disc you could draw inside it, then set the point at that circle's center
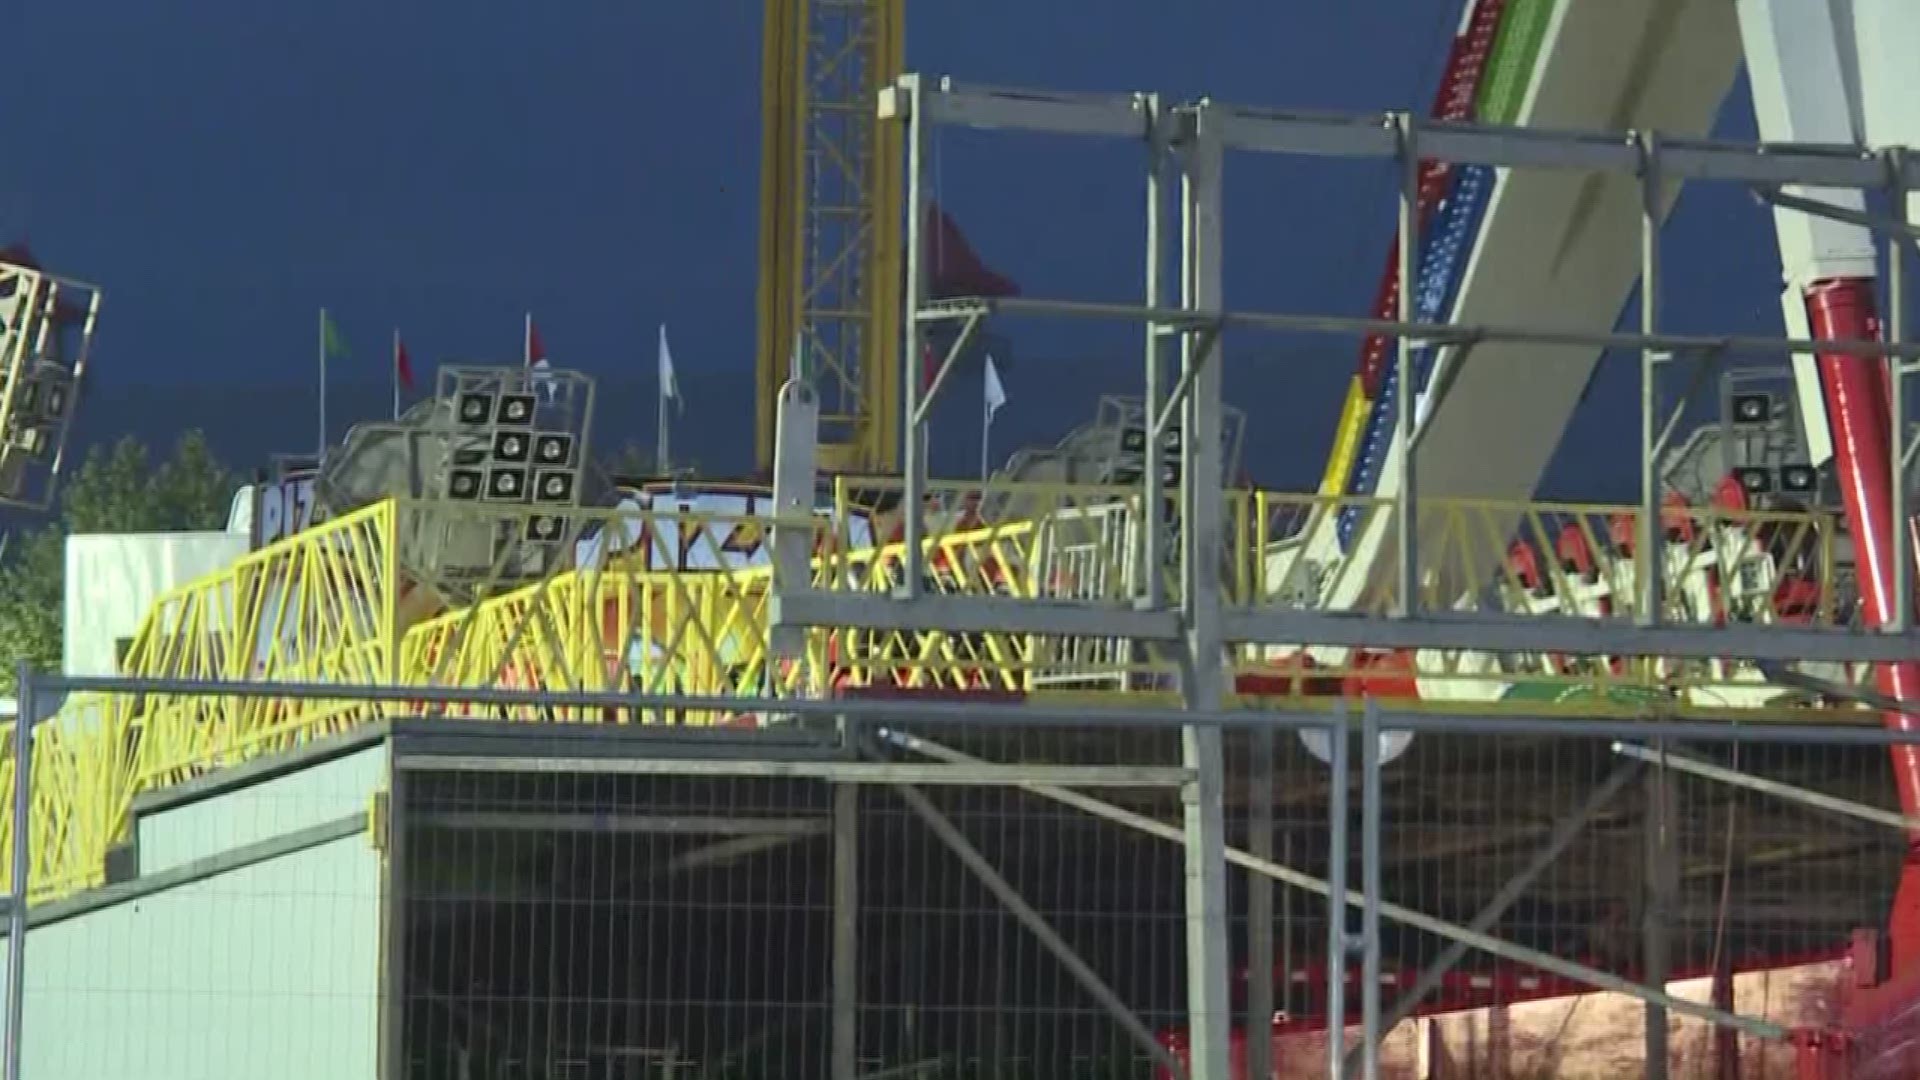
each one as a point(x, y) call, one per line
point(224, 167)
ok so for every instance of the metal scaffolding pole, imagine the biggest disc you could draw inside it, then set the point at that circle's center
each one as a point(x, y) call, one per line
point(27, 713)
point(1260, 953)
point(913, 452)
point(1661, 897)
point(1652, 573)
point(1203, 674)
point(1152, 587)
point(1339, 942)
point(845, 1052)
point(1370, 797)
point(1900, 612)
point(1407, 509)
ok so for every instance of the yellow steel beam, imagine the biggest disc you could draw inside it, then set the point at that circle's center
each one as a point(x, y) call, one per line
point(830, 224)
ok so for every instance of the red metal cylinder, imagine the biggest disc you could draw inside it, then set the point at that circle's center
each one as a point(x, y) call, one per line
point(1855, 389)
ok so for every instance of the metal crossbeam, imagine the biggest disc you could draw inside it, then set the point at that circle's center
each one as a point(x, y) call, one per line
point(966, 713)
point(1373, 135)
point(1186, 320)
point(845, 772)
point(1706, 770)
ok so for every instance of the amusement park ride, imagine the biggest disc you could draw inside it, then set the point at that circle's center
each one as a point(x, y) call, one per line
point(46, 332)
point(468, 543)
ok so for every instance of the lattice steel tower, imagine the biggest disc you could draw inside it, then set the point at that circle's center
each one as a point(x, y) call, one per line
point(830, 225)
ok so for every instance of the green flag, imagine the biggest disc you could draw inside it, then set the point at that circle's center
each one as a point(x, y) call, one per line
point(330, 339)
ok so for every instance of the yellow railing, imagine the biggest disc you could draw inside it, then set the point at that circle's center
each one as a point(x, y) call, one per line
point(1717, 566)
point(679, 603)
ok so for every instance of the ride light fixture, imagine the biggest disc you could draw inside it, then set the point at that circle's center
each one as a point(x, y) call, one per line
point(516, 409)
point(552, 450)
point(476, 407)
point(1752, 408)
point(553, 486)
point(1799, 479)
point(545, 529)
point(1754, 480)
point(507, 485)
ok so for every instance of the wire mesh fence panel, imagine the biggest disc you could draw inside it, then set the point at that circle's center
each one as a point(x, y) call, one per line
point(1627, 858)
point(1019, 936)
point(612, 925)
point(444, 894)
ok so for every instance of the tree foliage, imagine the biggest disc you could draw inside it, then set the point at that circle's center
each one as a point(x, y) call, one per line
point(117, 489)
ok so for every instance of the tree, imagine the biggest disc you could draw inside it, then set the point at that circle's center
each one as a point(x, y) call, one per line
point(114, 490)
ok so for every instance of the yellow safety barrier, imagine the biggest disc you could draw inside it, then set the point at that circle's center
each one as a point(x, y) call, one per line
point(678, 603)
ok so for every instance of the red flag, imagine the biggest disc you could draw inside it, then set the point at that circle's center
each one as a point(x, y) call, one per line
point(536, 352)
point(402, 367)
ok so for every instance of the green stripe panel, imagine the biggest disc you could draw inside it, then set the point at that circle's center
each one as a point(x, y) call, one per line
point(1553, 692)
point(1516, 49)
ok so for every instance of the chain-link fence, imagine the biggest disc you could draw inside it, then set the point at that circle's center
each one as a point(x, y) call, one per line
point(916, 888)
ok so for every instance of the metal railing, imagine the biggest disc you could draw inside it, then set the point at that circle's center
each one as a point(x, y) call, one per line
point(679, 603)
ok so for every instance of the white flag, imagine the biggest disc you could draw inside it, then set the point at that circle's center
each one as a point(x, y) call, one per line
point(669, 386)
point(996, 394)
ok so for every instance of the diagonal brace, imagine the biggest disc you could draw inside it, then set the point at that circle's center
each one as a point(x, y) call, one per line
point(1202, 350)
point(1036, 923)
point(1790, 792)
point(1709, 363)
point(960, 343)
point(1506, 950)
point(1775, 195)
point(1563, 834)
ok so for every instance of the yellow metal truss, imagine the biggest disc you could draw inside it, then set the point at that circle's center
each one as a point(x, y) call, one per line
point(678, 603)
point(830, 223)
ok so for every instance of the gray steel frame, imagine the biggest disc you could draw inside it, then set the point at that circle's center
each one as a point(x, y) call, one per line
point(1197, 134)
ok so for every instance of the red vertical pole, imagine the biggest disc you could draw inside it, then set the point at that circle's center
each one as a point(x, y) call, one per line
point(1856, 392)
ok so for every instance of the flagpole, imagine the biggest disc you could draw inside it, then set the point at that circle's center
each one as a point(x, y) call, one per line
point(667, 386)
point(526, 347)
point(986, 431)
point(660, 451)
point(394, 362)
point(320, 450)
